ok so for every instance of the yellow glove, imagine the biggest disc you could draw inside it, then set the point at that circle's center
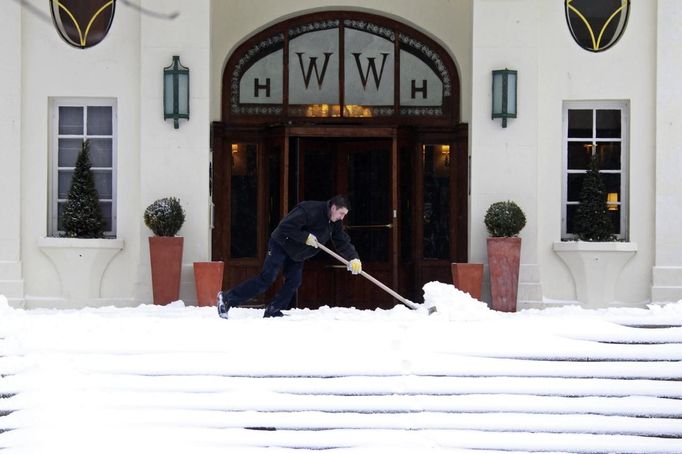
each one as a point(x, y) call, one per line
point(355, 266)
point(311, 240)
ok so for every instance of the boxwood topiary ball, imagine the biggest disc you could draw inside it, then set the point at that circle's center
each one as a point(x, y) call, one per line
point(164, 216)
point(504, 219)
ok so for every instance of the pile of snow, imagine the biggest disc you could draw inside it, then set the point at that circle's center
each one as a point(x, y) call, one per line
point(447, 301)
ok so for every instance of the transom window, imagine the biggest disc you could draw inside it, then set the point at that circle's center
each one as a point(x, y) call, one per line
point(72, 122)
point(596, 128)
point(340, 65)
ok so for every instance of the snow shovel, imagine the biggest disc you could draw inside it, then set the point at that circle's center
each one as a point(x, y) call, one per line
point(395, 295)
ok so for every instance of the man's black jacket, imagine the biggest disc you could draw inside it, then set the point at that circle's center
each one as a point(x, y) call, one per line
point(311, 217)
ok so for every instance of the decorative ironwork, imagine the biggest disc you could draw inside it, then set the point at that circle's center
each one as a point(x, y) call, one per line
point(82, 24)
point(370, 28)
point(421, 111)
point(257, 110)
point(313, 27)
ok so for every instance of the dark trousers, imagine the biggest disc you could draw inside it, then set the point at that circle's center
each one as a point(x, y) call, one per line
point(275, 261)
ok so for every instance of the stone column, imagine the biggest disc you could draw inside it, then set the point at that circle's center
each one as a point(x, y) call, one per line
point(11, 278)
point(667, 270)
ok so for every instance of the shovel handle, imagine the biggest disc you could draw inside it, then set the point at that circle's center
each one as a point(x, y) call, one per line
point(375, 281)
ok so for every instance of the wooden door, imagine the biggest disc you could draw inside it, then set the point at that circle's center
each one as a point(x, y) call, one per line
point(361, 169)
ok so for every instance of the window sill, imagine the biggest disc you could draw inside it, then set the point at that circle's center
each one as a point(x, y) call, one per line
point(89, 243)
point(592, 246)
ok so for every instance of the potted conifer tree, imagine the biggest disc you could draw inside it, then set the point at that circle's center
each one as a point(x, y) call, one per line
point(82, 213)
point(592, 222)
point(504, 221)
point(165, 218)
point(597, 258)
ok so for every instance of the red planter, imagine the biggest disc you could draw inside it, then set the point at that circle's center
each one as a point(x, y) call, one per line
point(504, 257)
point(208, 279)
point(165, 253)
point(468, 277)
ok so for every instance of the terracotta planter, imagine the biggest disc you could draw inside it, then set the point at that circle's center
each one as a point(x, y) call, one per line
point(504, 257)
point(208, 279)
point(468, 277)
point(165, 253)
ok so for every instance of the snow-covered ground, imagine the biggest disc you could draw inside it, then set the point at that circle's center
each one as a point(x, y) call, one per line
point(180, 379)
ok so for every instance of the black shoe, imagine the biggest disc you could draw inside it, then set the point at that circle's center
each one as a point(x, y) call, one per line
point(272, 313)
point(222, 305)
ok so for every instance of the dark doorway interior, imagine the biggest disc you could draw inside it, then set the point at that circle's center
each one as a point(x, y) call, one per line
point(360, 168)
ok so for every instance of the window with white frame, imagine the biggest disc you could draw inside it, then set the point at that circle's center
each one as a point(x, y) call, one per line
point(71, 122)
point(601, 129)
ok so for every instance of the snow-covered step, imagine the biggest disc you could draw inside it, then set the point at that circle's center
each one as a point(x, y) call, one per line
point(504, 384)
point(315, 420)
point(290, 364)
point(212, 440)
point(354, 385)
point(637, 406)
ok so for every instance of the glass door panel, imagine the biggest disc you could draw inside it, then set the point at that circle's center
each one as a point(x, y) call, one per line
point(369, 221)
point(361, 169)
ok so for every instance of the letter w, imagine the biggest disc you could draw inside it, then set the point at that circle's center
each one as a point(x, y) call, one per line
point(364, 77)
point(312, 66)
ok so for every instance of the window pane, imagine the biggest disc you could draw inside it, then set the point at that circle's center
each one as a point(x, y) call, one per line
point(106, 208)
point(318, 171)
point(368, 169)
point(614, 215)
point(579, 123)
point(274, 187)
point(570, 217)
point(99, 121)
point(609, 155)
point(575, 184)
point(612, 182)
point(406, 192)
point(70, 120)
point(244, 202)
point(68, 152)
point(579, 155)
point(608, 124)
point(103, 183)
point(60, 216)
point(101, 152)
point(64, 183)
point(436, 203)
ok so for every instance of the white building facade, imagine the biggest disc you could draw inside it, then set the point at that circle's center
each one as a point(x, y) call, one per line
point(622, 100)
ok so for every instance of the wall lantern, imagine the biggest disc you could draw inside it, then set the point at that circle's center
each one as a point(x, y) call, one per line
point(176, 92)
point(504, 95)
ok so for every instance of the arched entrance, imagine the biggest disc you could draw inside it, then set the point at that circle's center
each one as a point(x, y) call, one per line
point(343, 102)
